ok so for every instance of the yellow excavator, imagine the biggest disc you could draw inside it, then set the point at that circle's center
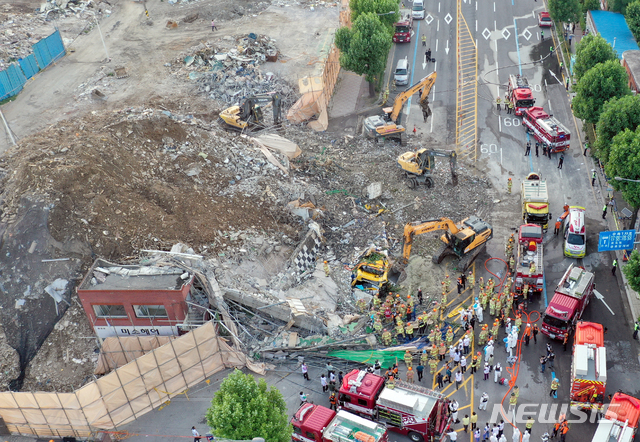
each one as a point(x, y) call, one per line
point(249, 114)
point(417, 166)
point(388, 125)
point(466, 240)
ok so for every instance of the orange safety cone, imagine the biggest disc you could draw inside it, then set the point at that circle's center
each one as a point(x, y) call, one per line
point(414, 129)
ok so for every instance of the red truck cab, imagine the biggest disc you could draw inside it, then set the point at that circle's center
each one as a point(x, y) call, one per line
point(402, 30)
point(520, 94)
point(571, 296)
point(315, 423)
point(407, 408)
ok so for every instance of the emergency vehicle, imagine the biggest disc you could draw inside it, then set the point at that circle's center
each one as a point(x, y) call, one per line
point(535, 201)
point(573, 293)
point(588, 367)
point(529, 268)
point(406, 408)
point(315, 423)
point(520, 94)
point(402, 29)
point(575, 233)
point(546, 129)
point(620, 422)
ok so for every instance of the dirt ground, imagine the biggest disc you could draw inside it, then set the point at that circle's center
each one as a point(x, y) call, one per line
point(149, 167)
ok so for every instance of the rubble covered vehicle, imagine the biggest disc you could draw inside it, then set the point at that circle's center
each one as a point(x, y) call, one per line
point(529, 265)
point(535, 201)
point(546, 129)
point(408, 409)
point(620, 421)
point(371, 273)
point(315, 423)
point(571, 297)
point(466, 240)
point(249, 114)
point(388, 125)
point(519, 93)
point(588, 367)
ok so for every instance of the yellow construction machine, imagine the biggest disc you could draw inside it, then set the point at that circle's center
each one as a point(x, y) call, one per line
point(249, 115)
point(388, 125)
point(417, 166)
point(466, 240)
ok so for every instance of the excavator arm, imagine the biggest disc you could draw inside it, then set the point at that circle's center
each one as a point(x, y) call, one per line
point(453, 162)
point(418, 228)
point(425, 84)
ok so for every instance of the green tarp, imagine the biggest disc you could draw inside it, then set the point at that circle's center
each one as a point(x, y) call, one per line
point(386, 358)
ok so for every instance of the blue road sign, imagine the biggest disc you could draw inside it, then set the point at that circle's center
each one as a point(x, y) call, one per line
point(616, 240)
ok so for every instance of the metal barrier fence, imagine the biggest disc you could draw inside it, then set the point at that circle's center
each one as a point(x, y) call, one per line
point(45, 52)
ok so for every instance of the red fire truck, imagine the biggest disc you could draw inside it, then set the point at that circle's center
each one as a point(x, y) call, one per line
point(588, 367)
point(529, 264)
point(402, 30)
point(573, 293)
point(620, 422)
point(315, 423)
point(407, 408)
point(546, 129)
point(520, 94)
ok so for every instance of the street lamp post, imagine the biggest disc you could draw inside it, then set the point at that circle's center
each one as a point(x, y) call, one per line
point(617, 178)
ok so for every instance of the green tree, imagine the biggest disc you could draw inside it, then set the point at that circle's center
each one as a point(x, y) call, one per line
point(243, 409)
point(379, 7)
point(624, 162)
point(617, 115)
point(601, 83)
point(565, 10)
point(591, 50)
point(364, 47)
point(619, 5)
point(632, 270)
point(632, 16)
point(590, 5)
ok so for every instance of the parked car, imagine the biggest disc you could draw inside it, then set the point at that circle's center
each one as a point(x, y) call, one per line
point(544, 20)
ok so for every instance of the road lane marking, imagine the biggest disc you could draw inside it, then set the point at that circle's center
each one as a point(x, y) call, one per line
point(494, 6)
point(438, 26)
point(515, 26)
point(436, 45)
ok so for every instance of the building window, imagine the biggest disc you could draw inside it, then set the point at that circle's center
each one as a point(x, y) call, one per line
point(110, 311)
point(150, 311)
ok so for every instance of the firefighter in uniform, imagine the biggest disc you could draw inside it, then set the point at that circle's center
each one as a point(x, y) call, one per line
point(434, 351)
point(399, 330)
point(484, 299)
point(510, 107)
point(471, 279)
point(377, 325)
point(481, 284)
point(518, 322)
point(391, 383)
point(494, 329)
point(410, 375)
point(432, 336)
point(483, 335)
point(492, 306)
point(433, 366)
point(408, 358)
point(525, 292)
point(386, 337)
point(474, 364)
point(409, 330)
point(442, 351)
point(509, 185)
point(449, 337)
point(424, 357)
point(512, 263)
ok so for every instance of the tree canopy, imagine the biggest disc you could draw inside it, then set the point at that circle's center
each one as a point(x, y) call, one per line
point(624, 162)
point(243, 409)
point(590, 5)
point(632, 15)
point(591, 50)
point(632, 270)
point(599, 84)
point(365, 46)
point(565, 10)
point(617, 115)
point(381, 7)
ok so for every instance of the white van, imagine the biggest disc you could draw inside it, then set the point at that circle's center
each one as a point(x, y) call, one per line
point(575, 233)
point(401, 74)
point(417, 11)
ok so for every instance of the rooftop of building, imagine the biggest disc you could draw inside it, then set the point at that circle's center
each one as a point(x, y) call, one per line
point(105, 275)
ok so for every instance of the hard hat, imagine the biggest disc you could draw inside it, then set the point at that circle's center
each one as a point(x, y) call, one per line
point(410, 368)
point(509, 179)
point(325, 262)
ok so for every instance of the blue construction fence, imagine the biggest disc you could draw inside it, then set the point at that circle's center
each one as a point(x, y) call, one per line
point(45, 52)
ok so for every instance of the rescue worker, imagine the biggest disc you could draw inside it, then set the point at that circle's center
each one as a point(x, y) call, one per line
point(449, 338)
point(432, 334)
point(509, 185)
point(409, 330)
point(471, 279)
point(492, 306)
point(556, 230)
point(483, 335)
point(424, 40)
point(377, 325)
point(433, 366)
point(408, 358)
point(527, 334)
point(564, 429)
point(532, 268)
point(333, 400)
point(410, 374)
point(474, 364)
point(391, 383)
point(481, 284)
point(434, 351)
point(498, 103)
point(510, 111)
point(513, 402)
point(447, 283)
point(326, 268)
point(518, 322)
point(554, 387)
point(484, 299)
point(424, 357)
point(442, 352)
point(399, 330)
point(386, 337)
point(512, 263)
point(494, 329)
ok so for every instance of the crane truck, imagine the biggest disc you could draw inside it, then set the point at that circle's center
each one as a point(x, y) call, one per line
point(588, 367)
point(417, 166)
point(388, 125)
point(405, 408)
point(466, 240)
point(315, 423)
point(571, 297)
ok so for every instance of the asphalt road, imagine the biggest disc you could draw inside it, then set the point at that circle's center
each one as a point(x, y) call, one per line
point(509, 42)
